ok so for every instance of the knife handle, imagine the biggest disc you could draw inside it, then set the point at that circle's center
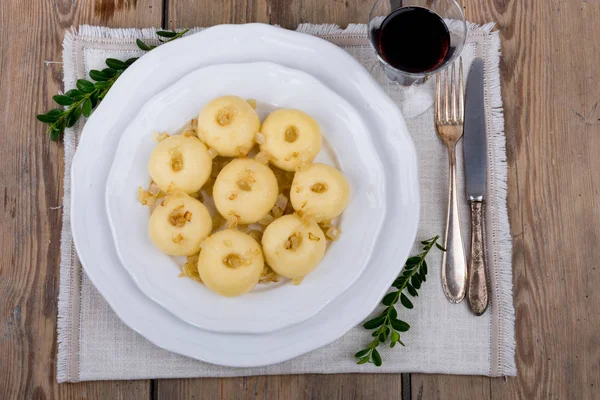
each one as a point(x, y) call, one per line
point(478, 288)
point(454, 265)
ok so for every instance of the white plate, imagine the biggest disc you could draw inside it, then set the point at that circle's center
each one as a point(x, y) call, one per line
point(268, 307)
point(162, 67)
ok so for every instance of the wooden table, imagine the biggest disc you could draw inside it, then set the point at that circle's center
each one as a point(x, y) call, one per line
point(551, 53)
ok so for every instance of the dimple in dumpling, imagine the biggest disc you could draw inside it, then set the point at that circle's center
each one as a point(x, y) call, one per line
point(293, 248)
point(245, 190)
point(178, 225)
point(292, 138)
point(229, 125)
point(180, 163)
point(230, 262)
point(321, 191)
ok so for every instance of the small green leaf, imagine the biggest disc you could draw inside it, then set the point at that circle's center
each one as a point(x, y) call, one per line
point(394, 338)
point(85, 86)
point(381, 337)
point(363, 360)
point(416, 281)
point(393, 313)
point(406, 302)
point(109, 72)
point(375, 333)
point(425, 242)
point(55, 112)
point(94, 99)
point(362, 353)
point(116, 64)
point(167, 34)
point(439, 246)
point(98, 75)
point(73, 116)
point(374, 323)
point(86, 108)
point(63, 100)
point(54, 134)
point(45, 118)
point(400, 325)
point(413, 261)
point(424, 267)
point(142, 45)
point(399, 282)
point(422, 275)
point(75, 94)
point(412, 290)
point(102, 85)
point(130, 61)
point(390, 298)
point(376, 358)
point(48, 118)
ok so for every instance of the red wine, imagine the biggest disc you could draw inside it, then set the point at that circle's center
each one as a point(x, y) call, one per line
point(413, 39)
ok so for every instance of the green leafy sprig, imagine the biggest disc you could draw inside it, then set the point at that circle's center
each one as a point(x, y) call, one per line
point(87, 95)
point(387, 325)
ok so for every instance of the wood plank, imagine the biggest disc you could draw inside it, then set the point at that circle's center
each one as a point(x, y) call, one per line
point(288, 387)
point(426, 386)
point(31, 178)
point(194, 13)
point(189, 13)
point(290, 13)
point(437, 387)
point(554, 117)
point(550, 102)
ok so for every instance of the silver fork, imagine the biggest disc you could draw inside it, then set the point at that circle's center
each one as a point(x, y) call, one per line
point(449, 119)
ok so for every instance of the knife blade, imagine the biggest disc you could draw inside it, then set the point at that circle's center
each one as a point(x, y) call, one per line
point(474, 136)
point(475, 159)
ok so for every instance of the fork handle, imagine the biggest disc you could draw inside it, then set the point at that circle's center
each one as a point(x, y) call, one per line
point(454, 266)
point(478, 288)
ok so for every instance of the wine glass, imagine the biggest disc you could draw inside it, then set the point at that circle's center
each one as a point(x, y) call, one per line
point(426, 12)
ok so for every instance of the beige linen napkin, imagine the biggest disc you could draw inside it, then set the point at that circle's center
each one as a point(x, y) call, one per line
point(93, 344)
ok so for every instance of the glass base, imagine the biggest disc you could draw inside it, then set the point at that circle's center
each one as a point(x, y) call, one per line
point(401, 78)
point(416, 94)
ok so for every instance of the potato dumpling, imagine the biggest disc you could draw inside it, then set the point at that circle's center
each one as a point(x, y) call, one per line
point(245, 190)
point(321, 191)
point(292, 248)
point(178, 224)
point(228, 124)
point(292, 138)
point(230, 263)
point(180, 162)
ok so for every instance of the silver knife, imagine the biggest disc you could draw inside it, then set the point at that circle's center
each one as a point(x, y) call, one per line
point(475, 155)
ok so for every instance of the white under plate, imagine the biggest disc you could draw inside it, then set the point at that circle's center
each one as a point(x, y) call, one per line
point(272, 306)
point(162, 67)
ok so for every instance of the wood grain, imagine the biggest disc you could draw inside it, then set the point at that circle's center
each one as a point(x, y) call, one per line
point(436, 387)
point(288, 387)
point(186, 13)
point(193, 13)
point(31, 170)
point(290, 13)
point(551, 96)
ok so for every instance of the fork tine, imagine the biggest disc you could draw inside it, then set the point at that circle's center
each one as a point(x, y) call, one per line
point(446, 102)
point(453, 89)
point(438, 98)
point(461, 92)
